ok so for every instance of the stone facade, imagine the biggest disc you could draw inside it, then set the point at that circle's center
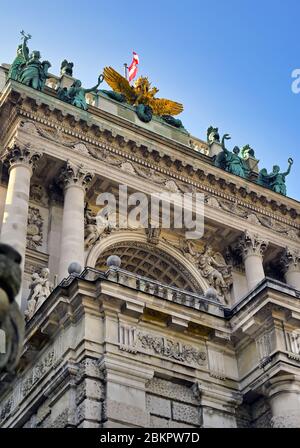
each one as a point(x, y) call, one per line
point(184, 334)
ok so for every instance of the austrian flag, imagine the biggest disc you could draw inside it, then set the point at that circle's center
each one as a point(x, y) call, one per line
point(133, 68)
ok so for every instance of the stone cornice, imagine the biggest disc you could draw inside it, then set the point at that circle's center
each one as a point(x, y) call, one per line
point(184, 183)
point(170, 157)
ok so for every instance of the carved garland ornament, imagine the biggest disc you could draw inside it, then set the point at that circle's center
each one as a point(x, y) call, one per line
point(34, 228)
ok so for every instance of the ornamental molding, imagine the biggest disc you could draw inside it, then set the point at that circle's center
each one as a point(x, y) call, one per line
point(106, 135)
point(75, 175)
point(21, 154)
point(134, 341)
point(268, 220)
point(37, 373)
point(213, 198)
point(251, 244)
point(29, 382)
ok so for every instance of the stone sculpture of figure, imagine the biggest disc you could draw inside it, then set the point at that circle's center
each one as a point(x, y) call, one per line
point(97, 226)
point(75, 95)
point(247, 152)
point(231, 161)
point(34, 73)
point(214, 268)
point(28, 68)
point(213, 135)
point(175, 122)
point(40, 289)
point(21, 58)
point(66, 68)
point(275, 180)
point(263, 178)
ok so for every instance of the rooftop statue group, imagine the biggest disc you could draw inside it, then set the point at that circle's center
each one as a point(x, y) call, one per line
point(236, 162)
point(28, 69)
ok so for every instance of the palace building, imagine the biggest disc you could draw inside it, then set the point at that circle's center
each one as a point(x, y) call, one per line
point(140, 326)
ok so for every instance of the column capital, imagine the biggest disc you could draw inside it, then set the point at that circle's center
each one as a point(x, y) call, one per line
point(21, 155)
point(75, 175)
point(251, 244)
point(290, 260)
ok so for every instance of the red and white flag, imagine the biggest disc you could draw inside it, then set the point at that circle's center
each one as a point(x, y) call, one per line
point(133, 68)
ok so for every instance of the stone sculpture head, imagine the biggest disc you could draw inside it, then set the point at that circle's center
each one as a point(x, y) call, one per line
point(209, 250)
point(276, 169)
point(45, 272)
point(35, 55)
point(77, 83)
point(46, 64)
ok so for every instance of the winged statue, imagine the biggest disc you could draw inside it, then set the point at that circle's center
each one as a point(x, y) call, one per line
point(141, 93)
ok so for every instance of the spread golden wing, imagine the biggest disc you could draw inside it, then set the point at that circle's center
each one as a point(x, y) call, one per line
point(161, 106)
point(119, 84)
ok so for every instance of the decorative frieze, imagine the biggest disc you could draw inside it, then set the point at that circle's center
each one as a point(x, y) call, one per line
point(38, 372)
point(134, 341)
point(127, 338)
point(66, 134)
point(292, 339)
point(265, 345)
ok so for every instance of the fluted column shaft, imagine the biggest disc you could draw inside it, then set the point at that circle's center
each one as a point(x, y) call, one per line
point(21, 163)
point(75, 180)
point(252, 248)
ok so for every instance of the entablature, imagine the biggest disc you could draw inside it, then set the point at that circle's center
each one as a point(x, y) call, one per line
point(105, 134)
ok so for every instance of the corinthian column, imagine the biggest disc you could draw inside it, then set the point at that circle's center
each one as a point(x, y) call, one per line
point(75, 180)
point(252, 248)
point(291, 265)
point(21, 162)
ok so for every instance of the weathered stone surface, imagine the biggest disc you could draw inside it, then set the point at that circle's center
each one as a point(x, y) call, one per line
point(159, 422)
point(186, 413)
point(158, 406)
point(124, 413)
point(171, 390)
point(89, 410)
point(89, 388)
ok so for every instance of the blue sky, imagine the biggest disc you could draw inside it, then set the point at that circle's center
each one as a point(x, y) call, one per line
point(229, 62)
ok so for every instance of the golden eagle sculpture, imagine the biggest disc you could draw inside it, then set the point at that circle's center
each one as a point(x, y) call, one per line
point(141, 93)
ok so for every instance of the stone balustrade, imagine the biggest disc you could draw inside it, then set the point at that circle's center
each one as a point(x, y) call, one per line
point(153, 287)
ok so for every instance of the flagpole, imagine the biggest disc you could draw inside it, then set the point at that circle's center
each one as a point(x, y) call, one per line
point(125, 70)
